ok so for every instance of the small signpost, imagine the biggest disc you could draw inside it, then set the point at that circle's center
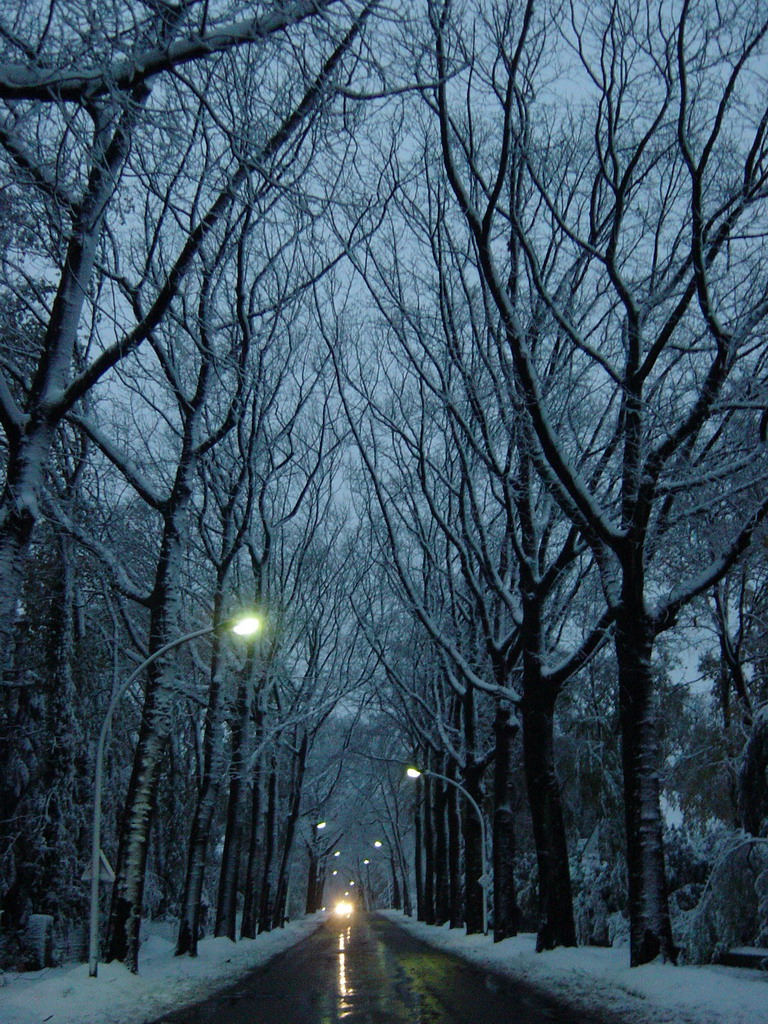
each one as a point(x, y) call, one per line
point(106, 874)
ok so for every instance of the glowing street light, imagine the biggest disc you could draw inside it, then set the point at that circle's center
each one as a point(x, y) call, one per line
point(242, 625)
point(485, 878)
point(337, 853)
point(321, 824)
point(248, 625)
point(377, 843)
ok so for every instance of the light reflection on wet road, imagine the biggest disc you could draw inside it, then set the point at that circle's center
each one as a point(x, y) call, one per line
point(366, 970)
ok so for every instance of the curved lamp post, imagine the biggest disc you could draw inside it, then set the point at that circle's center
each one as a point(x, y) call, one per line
point(484, 879)
point(243, 625)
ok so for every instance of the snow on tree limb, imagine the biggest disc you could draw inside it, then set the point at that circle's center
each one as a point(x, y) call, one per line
point(19, 82)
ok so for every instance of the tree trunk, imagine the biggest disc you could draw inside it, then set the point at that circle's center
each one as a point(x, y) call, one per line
point(556, 926)
point(417, 852)
point(29, 447)
point(56, 880)
point(407, 904)
point(442, 885)
point(456, 919)
point(266, 897)
point(311, 905)
point(397, 902)
point(249, 922)
point(403, 876)
point(649, 921)
point(429, 854)
point(226, 902)
point(281, 888)
point(474, 894)
point(505, 910)
point(229, 873)
point(320, 884)
point(753, 778)
point(128, 889)
point(18, 511)
point(189, 923)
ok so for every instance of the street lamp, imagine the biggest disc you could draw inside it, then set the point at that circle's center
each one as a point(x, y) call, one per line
point(485, 878)
point(247, 625)
point(242, 625)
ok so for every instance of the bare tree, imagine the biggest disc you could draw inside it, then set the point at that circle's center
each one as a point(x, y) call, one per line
point(451, 458)
point(106, 125)
point(176, 158)
point(621, 216)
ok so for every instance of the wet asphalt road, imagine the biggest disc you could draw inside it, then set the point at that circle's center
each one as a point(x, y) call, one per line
point(366, 970)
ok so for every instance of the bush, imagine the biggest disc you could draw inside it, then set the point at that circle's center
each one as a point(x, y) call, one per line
point(733, 906)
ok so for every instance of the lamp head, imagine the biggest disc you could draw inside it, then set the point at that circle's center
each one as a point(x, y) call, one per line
point(246, 625)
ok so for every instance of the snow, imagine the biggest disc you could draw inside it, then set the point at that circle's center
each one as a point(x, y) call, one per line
point(594, 979)
point(66, 995)
point(590, 979)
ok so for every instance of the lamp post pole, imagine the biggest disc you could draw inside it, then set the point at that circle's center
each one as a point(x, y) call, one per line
point(98, 777)
point(484, 879)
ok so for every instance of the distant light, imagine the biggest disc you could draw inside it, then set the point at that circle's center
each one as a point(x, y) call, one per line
point(334, 872)
point(377, 843)
point(321, 824)
point(247, 626)
point(351, 882)
point(337, 854)
point(344, 908)
point(366, 861)
point(347, 893)
point(413, 773)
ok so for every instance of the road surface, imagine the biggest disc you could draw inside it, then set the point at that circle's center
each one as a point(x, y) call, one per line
point(366, 970)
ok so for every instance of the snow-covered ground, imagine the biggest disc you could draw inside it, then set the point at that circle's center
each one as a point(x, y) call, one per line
point(66, 995)
point(588, 978)
point(600, 979)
